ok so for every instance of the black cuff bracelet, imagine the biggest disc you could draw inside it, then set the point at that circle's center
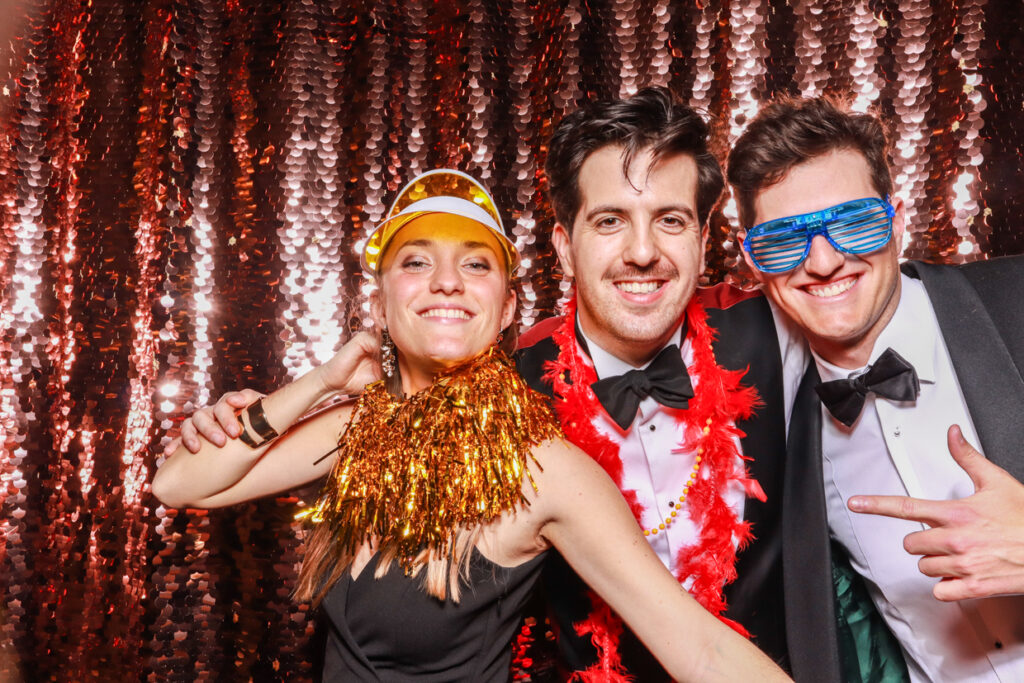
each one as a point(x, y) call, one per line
point(245, 436)
point(258, 421)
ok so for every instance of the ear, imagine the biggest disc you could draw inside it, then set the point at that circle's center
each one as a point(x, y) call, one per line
point(508, 310)
point(377, 309)
point(899, 222)
point(563, 246)
point(741, 238)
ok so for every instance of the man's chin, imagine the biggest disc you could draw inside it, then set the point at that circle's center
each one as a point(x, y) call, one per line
point(633, 323)
point(645, 331)
point(840, 335)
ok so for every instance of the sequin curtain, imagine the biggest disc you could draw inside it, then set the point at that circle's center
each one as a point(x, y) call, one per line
point(183, 189)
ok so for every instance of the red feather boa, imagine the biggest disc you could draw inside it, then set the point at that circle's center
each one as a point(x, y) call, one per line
point(708, 424)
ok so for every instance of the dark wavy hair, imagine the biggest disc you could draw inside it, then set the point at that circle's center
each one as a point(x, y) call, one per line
point(652, 119)
point(790, 131)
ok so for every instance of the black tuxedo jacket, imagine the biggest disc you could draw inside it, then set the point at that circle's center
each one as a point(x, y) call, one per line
point(746, 341)
point(980, 309)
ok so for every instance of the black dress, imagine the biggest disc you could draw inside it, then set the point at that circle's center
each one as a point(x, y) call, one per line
point(390, 629)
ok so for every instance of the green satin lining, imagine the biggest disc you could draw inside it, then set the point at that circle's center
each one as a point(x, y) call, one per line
point(868, 652)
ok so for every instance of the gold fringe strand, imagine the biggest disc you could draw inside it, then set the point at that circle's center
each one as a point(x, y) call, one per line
point(411, 472)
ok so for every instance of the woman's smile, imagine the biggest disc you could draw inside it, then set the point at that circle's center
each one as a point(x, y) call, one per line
point(447, 313)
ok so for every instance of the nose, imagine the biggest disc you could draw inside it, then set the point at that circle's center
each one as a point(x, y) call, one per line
point(822, 258)
point(641, 248)
point(446, 277)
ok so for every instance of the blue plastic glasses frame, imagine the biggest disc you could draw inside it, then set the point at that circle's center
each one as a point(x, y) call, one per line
point(855, 227)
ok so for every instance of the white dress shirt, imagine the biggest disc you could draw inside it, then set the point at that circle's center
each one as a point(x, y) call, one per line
point(899, 448)
point(653, 464)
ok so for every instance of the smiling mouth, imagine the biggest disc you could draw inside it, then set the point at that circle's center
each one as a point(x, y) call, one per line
point(833, 289)
point(446, 314)
point(645, 287)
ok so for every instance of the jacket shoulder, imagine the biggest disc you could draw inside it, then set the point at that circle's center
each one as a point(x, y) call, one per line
point(742, 320)
point(724, 296)
point(537, 347)
point(998, 285)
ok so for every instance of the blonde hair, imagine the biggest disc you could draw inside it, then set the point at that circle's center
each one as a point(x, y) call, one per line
point(324, 565)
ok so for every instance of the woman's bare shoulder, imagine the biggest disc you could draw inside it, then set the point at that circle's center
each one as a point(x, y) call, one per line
point(561, 473)
point(560, 457)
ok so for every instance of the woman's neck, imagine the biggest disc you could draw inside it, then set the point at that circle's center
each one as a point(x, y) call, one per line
point(416, 379)
point(419, 376)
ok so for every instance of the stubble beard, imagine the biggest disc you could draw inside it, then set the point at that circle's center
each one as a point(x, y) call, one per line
point(613, 316)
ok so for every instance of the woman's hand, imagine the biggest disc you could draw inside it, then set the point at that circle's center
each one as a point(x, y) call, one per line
point(201, 472)
point(355, 365)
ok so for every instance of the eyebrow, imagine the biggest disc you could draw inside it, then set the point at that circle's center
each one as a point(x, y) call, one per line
point(424, 242)
point(660, 211)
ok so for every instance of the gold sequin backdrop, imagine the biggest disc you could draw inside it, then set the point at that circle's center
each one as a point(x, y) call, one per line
point(184, 186)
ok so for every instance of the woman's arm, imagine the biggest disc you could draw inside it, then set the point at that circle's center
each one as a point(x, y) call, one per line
point(584, 516)
point(215, 476)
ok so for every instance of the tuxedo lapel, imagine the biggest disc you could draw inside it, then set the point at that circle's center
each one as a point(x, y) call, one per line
point(990, 380)
point(806, 555)
point(747, 342)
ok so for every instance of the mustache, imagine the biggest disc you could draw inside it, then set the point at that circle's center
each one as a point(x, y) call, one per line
point(655, 271)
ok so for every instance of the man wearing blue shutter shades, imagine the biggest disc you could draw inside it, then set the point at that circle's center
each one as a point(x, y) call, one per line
point(911, 370)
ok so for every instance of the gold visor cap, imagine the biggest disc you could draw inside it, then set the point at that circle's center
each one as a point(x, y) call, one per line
point(443, 191)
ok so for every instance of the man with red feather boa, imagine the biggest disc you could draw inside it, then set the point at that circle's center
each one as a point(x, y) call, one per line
point(677, 392)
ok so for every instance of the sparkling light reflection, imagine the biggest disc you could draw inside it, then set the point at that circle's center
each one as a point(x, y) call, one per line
point(185, 189)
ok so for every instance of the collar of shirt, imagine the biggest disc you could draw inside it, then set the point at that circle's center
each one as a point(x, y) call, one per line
point(607, 365)
point(912, 333)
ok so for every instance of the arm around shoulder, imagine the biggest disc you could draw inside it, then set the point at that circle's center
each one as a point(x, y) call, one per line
point(216, 476)
point(584, 516)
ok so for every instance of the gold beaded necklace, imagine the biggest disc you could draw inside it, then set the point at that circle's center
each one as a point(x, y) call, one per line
point(653, 531)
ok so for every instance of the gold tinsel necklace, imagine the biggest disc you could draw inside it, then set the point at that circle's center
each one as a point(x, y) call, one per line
point(412, 472)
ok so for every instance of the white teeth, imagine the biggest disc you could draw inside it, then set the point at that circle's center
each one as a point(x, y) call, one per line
point(832, 290)
point(446, 313)
point(638, 287)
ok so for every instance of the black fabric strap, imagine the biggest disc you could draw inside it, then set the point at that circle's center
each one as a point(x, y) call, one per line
point(806, 555)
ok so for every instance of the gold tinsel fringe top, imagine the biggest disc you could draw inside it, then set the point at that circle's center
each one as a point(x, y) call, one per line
point(411, 472)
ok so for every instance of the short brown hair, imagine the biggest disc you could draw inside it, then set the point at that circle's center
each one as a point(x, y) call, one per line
point(653, 119)
point(791, 131)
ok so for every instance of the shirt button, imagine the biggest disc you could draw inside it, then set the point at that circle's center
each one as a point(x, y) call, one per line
point(652, 428)
point(897, 431)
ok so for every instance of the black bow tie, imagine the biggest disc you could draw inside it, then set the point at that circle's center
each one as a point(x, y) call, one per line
point(890, 376)
point(665, 380)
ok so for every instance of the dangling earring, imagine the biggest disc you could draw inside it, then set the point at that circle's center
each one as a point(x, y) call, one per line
point(501, 335)
point(387, 353)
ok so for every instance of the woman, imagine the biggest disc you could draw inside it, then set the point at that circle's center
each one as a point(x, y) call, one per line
point(447, 490)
